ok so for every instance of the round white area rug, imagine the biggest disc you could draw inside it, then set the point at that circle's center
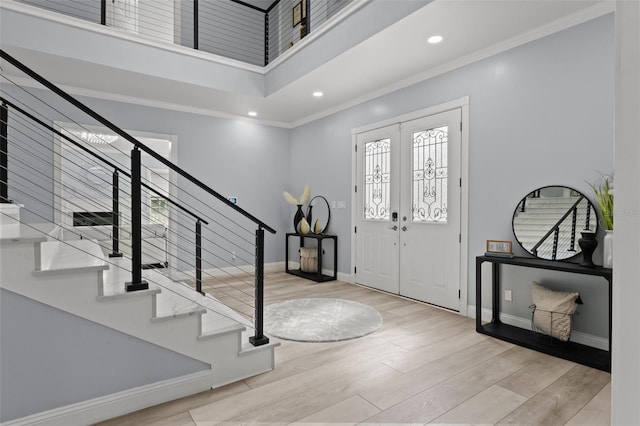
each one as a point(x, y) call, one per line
point(320, 320)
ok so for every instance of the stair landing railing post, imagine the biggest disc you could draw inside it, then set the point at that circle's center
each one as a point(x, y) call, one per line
point(199, 257)
point(195, 25)
point(103, 12)
point(266, 39)
point(259, 338)
point(4, 158)
point(137, 283)
point(115, 216)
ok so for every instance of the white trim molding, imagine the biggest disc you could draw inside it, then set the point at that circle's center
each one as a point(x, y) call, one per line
point(120, 403)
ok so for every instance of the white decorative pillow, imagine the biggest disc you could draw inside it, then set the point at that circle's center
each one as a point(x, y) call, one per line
point(552, 311)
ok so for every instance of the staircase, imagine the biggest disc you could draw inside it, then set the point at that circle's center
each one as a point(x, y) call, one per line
point(77, 277)
point(91, 280)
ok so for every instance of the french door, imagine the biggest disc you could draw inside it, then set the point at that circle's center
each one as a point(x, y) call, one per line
point(408, 208)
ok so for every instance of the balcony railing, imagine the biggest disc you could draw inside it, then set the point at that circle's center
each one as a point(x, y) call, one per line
point(252, 31)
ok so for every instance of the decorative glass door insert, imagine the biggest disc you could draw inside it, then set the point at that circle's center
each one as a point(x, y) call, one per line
point(377, 179)
point(429, 183)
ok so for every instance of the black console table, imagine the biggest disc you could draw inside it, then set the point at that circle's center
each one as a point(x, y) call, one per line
point(586, 355)
point(318, 276)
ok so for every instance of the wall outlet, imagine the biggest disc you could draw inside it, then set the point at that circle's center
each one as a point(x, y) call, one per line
point(233, 255)
point(508, 296)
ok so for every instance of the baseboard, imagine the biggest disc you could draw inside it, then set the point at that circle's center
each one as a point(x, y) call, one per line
point(348, 278)
point(118, 404)
point(576, 336)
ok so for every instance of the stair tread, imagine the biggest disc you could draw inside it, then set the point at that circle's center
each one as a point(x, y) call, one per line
point(96, 268)
point(126, 294)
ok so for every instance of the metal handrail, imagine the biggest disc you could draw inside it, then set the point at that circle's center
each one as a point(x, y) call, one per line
point(131, 139)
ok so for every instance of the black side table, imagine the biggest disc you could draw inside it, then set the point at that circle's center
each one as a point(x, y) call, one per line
point(586, 355)
point(318, 276)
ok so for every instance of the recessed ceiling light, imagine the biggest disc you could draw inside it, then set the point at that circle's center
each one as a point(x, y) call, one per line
point(318, 94)
point(253, 114)
point(435, 39)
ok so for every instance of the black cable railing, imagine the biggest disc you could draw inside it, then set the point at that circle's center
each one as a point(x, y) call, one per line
point(29, 169)
point(256, 34)
point(563, 232)
point(129, 205)
point(117, 171)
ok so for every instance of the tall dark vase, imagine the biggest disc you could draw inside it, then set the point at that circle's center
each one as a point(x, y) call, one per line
point(588, 244)
point(310, 215)
point(297, 218)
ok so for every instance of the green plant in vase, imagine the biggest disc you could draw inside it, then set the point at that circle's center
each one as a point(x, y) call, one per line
point(604, 197)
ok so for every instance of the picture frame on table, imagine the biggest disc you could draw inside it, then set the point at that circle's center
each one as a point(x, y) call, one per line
point(499, 248)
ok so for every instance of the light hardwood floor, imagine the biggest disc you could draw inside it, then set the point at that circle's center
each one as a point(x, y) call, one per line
point(425, 365)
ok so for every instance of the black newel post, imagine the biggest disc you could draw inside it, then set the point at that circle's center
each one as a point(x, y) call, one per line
point(199, 257)
point(4, 159)
point(136, 224)
point(259, 338)
point(115, 216)
point(195, 24)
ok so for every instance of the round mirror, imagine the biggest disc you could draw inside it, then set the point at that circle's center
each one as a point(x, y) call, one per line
point(318, 214)
point(547, 222)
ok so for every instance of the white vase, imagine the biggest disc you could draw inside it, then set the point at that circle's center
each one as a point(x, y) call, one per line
point(607, 254)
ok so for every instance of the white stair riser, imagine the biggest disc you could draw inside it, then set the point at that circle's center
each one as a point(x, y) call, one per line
point(76, 292)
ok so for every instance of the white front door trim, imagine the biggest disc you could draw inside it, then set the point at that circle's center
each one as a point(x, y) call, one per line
point(463, 104)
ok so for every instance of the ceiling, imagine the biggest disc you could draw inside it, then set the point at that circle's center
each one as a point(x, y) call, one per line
point(400, 55)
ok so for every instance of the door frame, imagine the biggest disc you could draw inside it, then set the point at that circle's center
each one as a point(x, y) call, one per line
point(173, 177)
point(463, 104)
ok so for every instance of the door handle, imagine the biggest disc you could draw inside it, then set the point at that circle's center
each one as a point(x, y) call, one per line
point(404, 228)
point(394, 227)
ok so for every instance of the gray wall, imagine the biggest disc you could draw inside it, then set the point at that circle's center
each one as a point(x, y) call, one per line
point(540, 114)
point(51, 358)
